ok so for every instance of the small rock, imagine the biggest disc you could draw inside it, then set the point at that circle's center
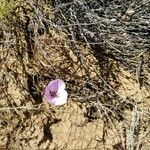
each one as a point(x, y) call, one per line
point(128, 18)
point(130, 12)
point(119, 15)
point(123, 18)
point(113, 20)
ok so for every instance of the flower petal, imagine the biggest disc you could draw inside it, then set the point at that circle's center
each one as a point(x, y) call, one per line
point(57, 86)
point(61, 86)
point(61, 99)
point(47, 95)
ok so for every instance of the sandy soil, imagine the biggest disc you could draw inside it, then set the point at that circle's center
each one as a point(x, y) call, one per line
point(36, 126)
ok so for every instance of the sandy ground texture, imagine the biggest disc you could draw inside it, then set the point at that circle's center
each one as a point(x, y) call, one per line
point(35, 125)
point(65, 127)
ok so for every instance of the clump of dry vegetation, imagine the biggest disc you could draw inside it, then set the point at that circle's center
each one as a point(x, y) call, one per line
point(101, 49)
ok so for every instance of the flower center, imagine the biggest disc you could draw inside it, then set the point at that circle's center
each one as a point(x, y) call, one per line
point(53, 93)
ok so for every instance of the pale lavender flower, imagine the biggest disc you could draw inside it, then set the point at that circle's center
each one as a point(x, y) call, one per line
point(55, 92)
